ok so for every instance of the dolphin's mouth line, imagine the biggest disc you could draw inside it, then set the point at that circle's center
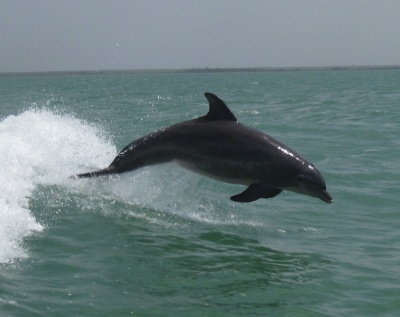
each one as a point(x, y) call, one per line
point(325, 196)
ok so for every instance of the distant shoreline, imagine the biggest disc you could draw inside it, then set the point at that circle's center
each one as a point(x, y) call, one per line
point(200, 70)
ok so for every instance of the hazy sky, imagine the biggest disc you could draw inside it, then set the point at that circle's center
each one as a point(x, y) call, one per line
point(47, 35)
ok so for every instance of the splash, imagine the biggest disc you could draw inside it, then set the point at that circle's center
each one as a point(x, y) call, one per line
point(40, 147)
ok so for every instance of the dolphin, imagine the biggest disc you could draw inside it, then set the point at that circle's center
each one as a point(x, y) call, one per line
point(218, 146)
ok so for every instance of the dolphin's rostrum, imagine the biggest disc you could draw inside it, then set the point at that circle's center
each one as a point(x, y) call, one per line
point(218, 146)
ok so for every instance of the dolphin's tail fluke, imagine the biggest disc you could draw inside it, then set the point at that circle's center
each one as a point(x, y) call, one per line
point(104, 171)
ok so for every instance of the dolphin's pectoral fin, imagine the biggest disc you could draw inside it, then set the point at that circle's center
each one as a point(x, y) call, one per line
point(256, 191)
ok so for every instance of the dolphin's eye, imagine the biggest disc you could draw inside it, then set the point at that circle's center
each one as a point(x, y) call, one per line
point(301, 178)
point(305, 179)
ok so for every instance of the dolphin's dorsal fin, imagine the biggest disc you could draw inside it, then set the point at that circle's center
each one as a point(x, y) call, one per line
point(218, 109)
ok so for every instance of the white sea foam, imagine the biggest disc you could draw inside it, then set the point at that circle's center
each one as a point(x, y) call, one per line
point(40, 147)
point(171, 190)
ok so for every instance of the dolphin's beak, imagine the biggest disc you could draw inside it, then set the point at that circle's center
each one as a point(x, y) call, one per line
point(325, 196)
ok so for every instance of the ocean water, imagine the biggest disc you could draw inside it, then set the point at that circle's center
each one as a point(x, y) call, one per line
point(162, 241)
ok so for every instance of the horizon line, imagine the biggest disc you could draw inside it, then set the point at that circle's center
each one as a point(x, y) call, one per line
point(199, 70)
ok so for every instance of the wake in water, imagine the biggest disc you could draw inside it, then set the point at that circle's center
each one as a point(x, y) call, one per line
point(39, 147)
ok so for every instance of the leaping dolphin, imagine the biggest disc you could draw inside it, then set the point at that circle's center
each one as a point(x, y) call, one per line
point(218, 146)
